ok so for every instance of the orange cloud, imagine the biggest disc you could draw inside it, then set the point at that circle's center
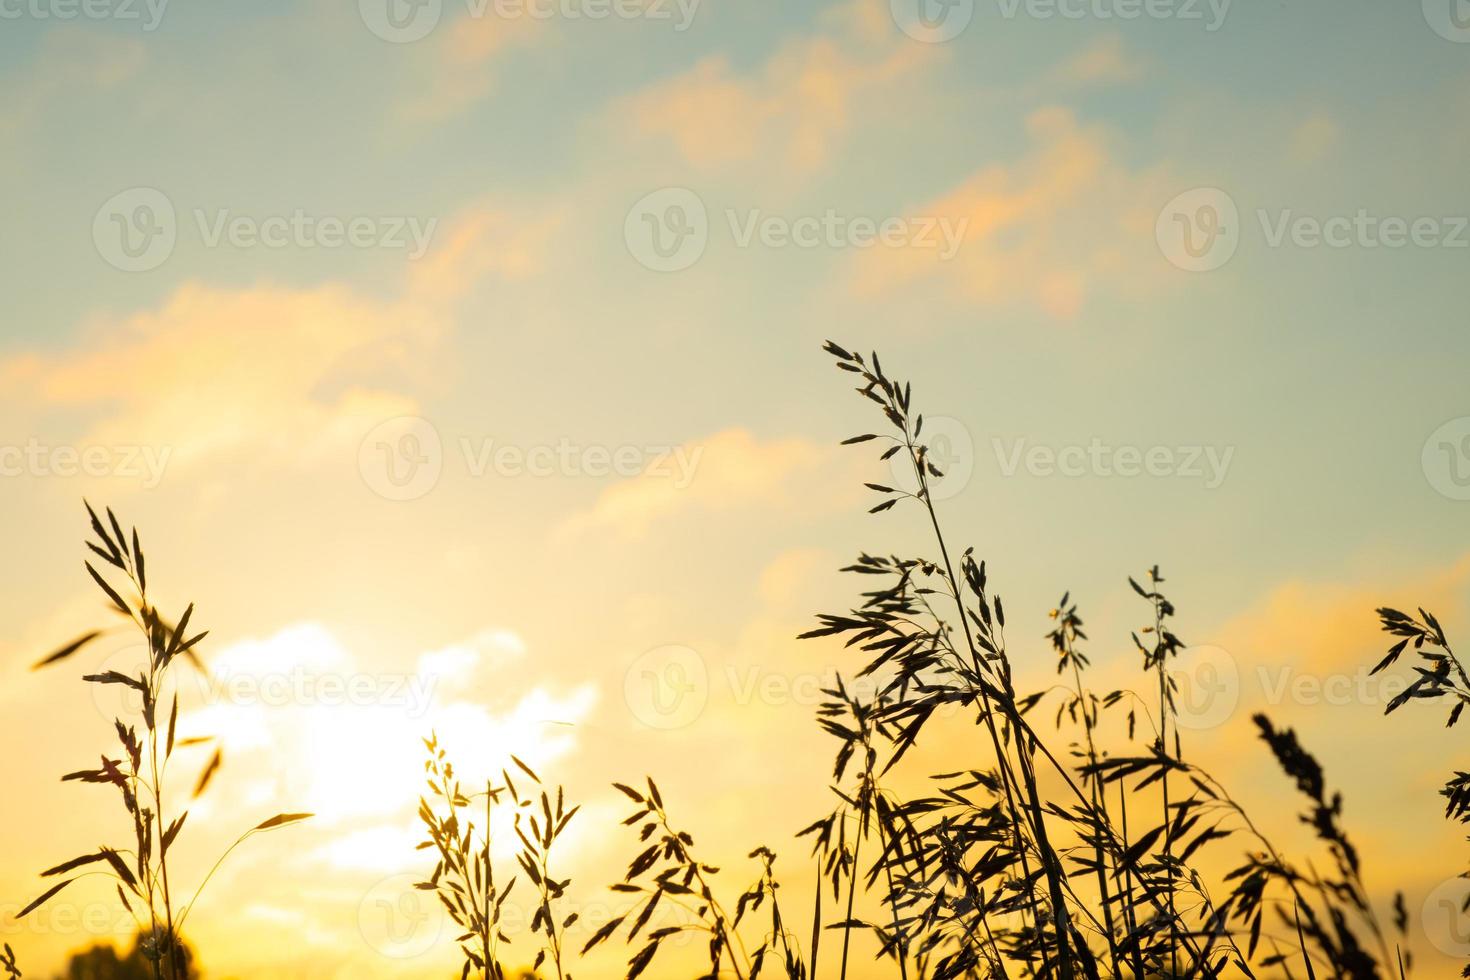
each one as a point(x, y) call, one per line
point(727, 471)
point(221, 369)
point(1302, 654)
point(484, 241)
point(289, 371)
point(1332, 625)
point(793, 111)
point(1051, 229)
point(461, 61)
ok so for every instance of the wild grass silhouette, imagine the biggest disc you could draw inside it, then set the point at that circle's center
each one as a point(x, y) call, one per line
point(140, 868)
point(992, 875)
point(464, 874)
point(1069, 857)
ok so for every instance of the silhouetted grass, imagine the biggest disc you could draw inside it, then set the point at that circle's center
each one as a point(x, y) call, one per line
point(140, 868)
point(991, 876)
point(1074, 857)
point(463, 878)
point(985, 877)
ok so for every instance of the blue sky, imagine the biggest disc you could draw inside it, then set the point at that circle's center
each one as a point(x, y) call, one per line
point(520, 146)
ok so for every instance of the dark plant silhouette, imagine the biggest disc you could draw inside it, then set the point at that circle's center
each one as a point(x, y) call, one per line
point(464, 872)
point(538, 826)
point(667, 873)
point(986, 878)
point(1074, 857)
point(1440, 674)
point(140, 868)
point(997, 874)
point(464, 875)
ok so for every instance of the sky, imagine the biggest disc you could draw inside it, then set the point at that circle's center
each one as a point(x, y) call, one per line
point(461, 361)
